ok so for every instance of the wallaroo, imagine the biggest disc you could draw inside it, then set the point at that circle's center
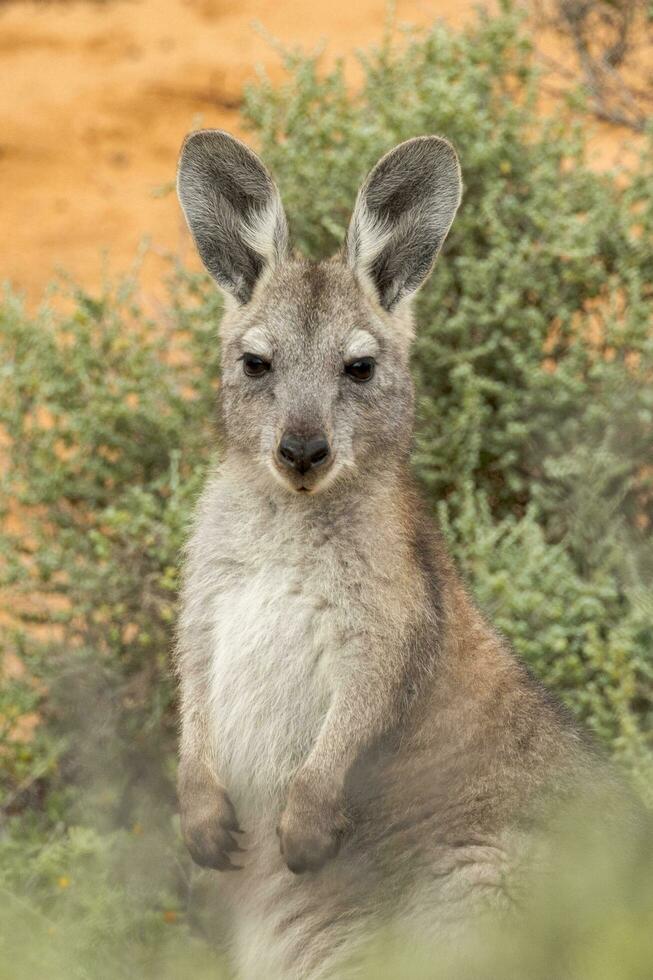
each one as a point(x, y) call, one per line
point(359, 747)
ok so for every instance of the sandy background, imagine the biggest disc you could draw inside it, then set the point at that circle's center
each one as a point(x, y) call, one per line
point(95, 98)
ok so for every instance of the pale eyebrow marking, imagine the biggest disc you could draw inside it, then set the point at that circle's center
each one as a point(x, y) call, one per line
point(361, 344)
point(254, 341)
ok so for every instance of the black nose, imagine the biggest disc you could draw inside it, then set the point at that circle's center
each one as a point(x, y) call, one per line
point(303, 454)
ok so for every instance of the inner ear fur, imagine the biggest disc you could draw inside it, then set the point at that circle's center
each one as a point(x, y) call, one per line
point(233, 209)
point(402, 215)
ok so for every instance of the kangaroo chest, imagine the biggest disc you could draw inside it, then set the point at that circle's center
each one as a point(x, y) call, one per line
point(275, 639)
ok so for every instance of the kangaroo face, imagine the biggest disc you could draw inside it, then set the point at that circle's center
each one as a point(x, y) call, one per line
point(316, 385)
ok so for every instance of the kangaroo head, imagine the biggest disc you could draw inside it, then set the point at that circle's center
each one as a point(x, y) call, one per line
point(316, 386)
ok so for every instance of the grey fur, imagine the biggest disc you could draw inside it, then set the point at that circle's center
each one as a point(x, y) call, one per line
point(226, 192)
point(408, 203)
point(338, 684)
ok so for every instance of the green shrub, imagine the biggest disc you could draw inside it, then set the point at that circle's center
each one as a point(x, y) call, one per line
point(533, 366)
point(534, 355)
point(98, 405)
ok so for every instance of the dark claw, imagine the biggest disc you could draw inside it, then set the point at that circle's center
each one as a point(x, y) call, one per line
point(228, 866)
point(230, 823)
point(210, 841)
point(297, 868)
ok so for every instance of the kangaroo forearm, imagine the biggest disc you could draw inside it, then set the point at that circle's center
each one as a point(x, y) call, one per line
point(315, 817)
point(357, 718)
point(196, 775)
point(208, 818)
point(197, 755)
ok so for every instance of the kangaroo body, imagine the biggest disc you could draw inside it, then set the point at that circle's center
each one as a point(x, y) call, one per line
point(289, 588)
point(356, 739)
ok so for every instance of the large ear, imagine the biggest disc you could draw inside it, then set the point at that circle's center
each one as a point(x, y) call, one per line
point(402, 215)
point(233, 210)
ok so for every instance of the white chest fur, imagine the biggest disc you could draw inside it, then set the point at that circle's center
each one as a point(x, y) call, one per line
point(275, 633)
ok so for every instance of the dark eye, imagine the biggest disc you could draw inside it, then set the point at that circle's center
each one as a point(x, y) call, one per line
point(254, 366)
point(361, 370)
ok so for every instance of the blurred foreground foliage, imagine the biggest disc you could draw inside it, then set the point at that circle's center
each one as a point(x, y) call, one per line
point(533, 364)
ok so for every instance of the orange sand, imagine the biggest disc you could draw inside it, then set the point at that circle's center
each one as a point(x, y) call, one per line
point(95, 98)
